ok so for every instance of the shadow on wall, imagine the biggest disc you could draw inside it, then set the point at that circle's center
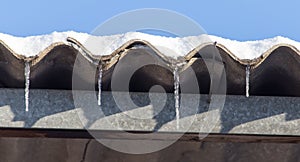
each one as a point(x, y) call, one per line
point(42, 103)
point(238, 110)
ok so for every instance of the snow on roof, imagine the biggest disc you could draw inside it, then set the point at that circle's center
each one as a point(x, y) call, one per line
point(169, 46)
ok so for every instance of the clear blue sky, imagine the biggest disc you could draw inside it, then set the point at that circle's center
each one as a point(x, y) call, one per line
point(234, 19)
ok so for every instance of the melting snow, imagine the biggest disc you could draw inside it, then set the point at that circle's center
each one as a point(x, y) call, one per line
point(173, 47)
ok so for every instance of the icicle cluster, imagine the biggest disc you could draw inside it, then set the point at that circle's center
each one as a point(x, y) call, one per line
point(176, 94)
point(247, 80)
point(27, 84)
point(99, 85)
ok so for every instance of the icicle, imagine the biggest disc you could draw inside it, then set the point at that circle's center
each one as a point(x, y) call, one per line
point(99, 85)
point(27, 82)
point(176, 94)
point(247, 80)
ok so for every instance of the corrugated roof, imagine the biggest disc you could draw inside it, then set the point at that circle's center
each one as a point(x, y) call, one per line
point(276, 72)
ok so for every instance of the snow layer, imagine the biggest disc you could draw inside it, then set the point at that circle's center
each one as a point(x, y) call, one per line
point(172, 47)
point(253, 49)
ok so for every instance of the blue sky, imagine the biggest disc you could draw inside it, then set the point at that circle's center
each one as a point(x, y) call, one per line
point(234, 19)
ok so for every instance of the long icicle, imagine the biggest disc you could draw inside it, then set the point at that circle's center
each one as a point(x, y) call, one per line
point(99, 84)
point(27, 84)
point(247, 80)
point(212, 75)
point(176, 95)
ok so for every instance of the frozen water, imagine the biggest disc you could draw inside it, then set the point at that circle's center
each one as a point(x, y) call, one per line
point(247, 80)
point(27, 84)
point(176, 94)
point(99, 85)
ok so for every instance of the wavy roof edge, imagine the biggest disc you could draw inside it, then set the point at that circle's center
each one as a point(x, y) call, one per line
point(72, 42)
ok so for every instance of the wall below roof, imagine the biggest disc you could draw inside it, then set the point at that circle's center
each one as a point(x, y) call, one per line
point(57, 109)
